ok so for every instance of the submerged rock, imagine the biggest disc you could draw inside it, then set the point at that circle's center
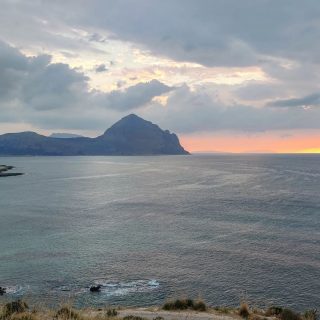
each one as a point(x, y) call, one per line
point(2, 291)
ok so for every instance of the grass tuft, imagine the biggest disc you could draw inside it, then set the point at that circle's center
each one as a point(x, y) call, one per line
point(112, 313)
point(273, 311)
point(13, 307)
point(184, 304)
point(311, 314)
point(288, 314)
point(67, 313)
point(133, 318)
point(244, 310)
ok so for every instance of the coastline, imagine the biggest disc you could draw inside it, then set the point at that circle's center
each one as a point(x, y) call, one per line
point(18, 310)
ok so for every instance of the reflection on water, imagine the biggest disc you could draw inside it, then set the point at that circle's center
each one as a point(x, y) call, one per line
point(223, 227)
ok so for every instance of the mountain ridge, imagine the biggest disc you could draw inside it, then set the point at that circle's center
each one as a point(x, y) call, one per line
point(131, 135)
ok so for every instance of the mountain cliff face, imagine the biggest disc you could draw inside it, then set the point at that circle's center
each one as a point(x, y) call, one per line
point(131, 135)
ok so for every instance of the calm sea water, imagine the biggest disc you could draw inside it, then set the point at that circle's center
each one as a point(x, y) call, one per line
point(222, 227)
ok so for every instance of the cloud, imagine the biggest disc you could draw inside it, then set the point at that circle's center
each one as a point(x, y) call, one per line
point(277, 37)
point(33, 82)
point(53, 95)
point(101, 68)
point(189, 111)
point(307, 101)
point(212, 33)
point(135, 96)
point(37, 91)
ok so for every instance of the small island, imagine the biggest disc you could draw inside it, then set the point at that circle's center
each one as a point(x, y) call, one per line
point(4, 171)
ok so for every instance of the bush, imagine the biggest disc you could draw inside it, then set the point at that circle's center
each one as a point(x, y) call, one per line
point(112, 313)
point(18, 306)
point(67, 313)
point(244, 310)
point(288, 314)
point(183, 304)
point(311, 314)
point(274, 311)
point(199, 306)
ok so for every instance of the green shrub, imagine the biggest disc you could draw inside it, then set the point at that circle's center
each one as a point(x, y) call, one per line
point(244, 310)
point(183, 304)
point(288, 314)
point(199, 306)
point(311, 314)
point(133, 318)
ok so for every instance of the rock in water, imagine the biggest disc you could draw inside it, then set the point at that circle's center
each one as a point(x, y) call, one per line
point(95, 288)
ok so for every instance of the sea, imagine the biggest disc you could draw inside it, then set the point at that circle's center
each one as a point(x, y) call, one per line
point(223, 228)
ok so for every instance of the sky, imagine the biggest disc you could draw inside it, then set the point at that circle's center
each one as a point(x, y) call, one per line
point(225, 75)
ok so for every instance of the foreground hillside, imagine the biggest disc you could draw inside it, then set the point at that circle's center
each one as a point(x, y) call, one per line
point(184, 309)
point(131, 135)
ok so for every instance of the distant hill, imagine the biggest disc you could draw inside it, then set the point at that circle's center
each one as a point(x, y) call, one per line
point(131, 135)
point(64, 135)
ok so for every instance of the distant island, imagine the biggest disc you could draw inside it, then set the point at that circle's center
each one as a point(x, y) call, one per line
point(131, 135)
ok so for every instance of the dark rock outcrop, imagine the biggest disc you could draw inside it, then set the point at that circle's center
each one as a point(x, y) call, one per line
point(95, 288)
point(131, 135)
point(4, 173)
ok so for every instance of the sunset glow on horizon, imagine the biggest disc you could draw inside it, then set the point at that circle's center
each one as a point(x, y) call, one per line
point(254, 143)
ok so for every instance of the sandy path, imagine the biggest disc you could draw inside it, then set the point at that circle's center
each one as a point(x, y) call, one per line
point(174, 315)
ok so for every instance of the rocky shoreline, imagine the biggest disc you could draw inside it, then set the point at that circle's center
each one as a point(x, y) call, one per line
point(4, 171)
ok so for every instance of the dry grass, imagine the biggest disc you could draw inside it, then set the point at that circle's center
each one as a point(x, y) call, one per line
point(184, 304)
point(244, 311)
point(19, 310)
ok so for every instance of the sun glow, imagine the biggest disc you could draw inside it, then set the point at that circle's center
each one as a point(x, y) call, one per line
point(267, 142)
point(312, 150)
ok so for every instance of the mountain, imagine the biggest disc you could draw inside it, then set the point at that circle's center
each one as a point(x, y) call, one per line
point(63, 135)
point(131, 135)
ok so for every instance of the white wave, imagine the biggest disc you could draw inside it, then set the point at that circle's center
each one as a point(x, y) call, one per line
point(115, 288)
point(16, 290)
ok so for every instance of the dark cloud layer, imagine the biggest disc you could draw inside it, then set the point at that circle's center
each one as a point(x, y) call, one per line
point(101, 68)
point(34, 90)
point(211, 32)
point(136, 96)
point(279, 37)
point(307, 101)
point(189, 111)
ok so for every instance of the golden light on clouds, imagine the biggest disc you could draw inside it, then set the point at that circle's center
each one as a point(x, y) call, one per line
point(267, 142)
point(162, 100)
